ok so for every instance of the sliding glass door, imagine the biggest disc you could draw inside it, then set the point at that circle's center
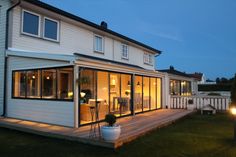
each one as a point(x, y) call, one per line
point(103, 92)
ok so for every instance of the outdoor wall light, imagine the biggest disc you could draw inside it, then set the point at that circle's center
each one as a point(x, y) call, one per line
point(233, 111)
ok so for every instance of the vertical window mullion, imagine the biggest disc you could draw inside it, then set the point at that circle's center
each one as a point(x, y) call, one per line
point(41, 83)
point(56, 84)
point(26, 77)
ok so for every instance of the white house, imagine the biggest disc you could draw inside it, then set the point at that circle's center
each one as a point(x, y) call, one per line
point(58, 67)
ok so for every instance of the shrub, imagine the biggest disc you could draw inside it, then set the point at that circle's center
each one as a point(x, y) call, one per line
point(110, 119)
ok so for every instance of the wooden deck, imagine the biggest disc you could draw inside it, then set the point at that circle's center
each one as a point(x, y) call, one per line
point(131, 127)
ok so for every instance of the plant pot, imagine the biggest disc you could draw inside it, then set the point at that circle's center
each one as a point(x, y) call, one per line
point(110, 133)
point(191, 107)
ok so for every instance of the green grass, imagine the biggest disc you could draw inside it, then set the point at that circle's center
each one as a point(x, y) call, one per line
point(194, 136)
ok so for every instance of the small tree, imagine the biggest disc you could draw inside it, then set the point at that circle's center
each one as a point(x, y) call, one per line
point(233, 92)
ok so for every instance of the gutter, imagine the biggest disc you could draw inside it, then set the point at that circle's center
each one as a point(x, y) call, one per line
point(6, 47)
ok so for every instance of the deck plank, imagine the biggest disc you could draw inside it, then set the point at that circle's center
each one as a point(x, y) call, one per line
point(132, 127)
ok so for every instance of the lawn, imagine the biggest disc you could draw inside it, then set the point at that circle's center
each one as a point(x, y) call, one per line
point(194, 136)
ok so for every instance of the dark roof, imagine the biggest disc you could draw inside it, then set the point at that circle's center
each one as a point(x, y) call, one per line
point(197, 76)
point(108, 61)
point(79, 19)
point(175, 72)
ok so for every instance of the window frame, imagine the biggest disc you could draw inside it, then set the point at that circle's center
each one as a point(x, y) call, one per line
point(58, 28)
point(94, 43)
point(41, 98)
point(148, 58)
point(122, 52)
point(22, 23)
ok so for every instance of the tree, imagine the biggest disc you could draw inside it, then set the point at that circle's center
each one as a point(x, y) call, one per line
point(233, 92)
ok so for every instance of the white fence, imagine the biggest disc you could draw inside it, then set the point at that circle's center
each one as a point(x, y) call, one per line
point(221, 103)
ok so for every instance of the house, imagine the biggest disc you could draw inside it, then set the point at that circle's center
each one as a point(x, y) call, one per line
point(180, 88)
point(180, 83)
point(199, 76)
point(58, 66)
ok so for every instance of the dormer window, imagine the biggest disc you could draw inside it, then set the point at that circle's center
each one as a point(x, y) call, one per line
point(98, 43)
point(30, 23)
point(124, 51)
point(51, 29)
point(148, 59)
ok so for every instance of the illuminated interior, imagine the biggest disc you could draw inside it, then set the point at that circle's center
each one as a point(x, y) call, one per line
point(178, 87)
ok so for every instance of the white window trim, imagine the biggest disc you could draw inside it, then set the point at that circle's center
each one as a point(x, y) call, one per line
point(125, 57)
point(22, 23)
point(149, 62)
point(94, 42)
point(58, 29)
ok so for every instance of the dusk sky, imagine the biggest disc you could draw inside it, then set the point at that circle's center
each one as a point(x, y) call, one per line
point(194, 35)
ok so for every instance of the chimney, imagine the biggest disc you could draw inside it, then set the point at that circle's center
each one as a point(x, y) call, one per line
point(103, 25)
point(172, 68)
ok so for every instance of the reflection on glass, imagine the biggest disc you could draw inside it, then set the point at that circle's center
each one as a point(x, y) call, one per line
point(102, 94)
point(159, 93)
point(49, 84)
point(87, 96)
point(153, 93)
point(65, 83)
point(138, 94)
point(146, 95)
point(33, 84)
point(114, 93)
point(125, 94)
point(19, 79)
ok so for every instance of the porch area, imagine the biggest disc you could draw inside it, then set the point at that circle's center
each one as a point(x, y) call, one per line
point(132, 127)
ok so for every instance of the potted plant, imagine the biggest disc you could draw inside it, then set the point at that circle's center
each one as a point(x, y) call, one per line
point(111, 131)
point(190, 105)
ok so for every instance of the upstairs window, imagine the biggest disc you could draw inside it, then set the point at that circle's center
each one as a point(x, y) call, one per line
point(51, 29)
point(30, 23)
point(124, 51)
point(148, 58)
point(98, 43)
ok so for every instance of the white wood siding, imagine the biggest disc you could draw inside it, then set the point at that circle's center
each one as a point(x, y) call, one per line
point(5, 4)
point(73, 39)
point(54, 112)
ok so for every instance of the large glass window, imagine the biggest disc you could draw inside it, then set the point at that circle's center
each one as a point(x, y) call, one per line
point(88, 96)
point(19, 80)
point(178, 87)
point(51, 29)
point(49, 84)
point(175, 87)
point(153, 94)
point(159, 93)
point(115, 93)
point(138, 95)
point(53, 84)
point(146, 94)
point(31, 23)
point(103, 93)
point(33, 84)
point(186, 88)
point(125, 105)
point(65, 83)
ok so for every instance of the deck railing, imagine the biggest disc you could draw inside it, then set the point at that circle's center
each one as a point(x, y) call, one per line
point(221, 103)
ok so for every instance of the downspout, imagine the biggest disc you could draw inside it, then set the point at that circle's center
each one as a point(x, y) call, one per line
point(6, 47)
